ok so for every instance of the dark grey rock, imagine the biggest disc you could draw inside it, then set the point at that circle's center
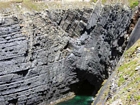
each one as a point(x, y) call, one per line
point(43, 54)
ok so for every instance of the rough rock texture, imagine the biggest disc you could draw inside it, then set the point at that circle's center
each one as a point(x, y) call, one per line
point(40, 58)
point(121, 78)
point(72, 21)
point(135, 35)
point(123, 85)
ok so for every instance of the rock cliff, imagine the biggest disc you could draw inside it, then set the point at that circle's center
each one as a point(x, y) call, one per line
point(43, 54)
point(123, 85)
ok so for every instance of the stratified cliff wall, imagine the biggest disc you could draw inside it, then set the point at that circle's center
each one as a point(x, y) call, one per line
point(43, 54)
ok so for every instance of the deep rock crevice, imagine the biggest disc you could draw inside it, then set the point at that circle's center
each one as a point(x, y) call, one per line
point(55, 51)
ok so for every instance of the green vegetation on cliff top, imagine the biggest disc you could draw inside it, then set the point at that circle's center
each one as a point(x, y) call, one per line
point(38, 6)
point(124, 84)
point(128, 78)
point(132, 3)
point(31, 5)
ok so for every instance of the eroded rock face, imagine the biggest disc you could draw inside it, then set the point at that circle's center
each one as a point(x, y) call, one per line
point(42, 54)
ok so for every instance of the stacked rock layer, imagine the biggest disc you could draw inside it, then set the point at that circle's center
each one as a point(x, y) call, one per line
point(43, 54)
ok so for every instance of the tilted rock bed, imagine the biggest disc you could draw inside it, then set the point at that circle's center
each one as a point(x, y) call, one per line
point(43, 54)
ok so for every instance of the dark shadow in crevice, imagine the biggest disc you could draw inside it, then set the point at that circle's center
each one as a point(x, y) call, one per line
point(22, 73)
point(26, 53)
point(87, 30)
point(88, 84)
point(82, 88)
point(121, 41)
point(13, 102)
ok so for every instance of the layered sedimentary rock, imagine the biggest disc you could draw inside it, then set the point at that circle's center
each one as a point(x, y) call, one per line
point(43, 54)
point(71, 21)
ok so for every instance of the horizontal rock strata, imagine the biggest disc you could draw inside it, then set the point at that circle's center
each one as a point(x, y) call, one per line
point(43, 54)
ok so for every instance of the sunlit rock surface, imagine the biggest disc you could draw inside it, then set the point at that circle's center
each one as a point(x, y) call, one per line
point(43, 54)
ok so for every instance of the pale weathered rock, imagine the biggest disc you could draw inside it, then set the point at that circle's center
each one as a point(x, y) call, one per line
point(137, 68)
point(117, 102)
point(138, 50)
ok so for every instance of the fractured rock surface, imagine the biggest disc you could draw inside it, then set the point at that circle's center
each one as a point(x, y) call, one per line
point(42, 54)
